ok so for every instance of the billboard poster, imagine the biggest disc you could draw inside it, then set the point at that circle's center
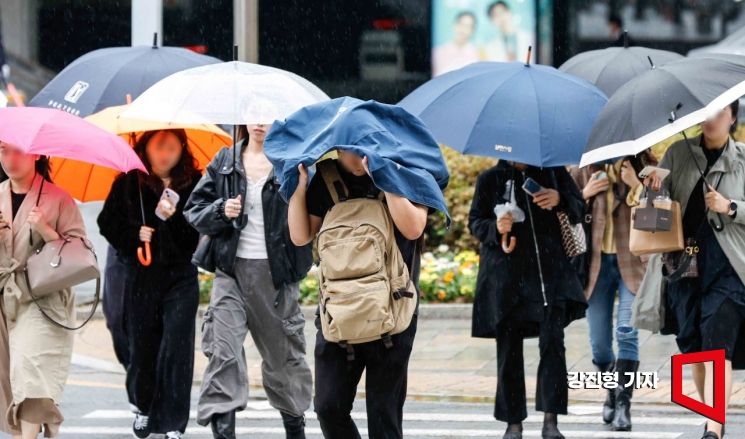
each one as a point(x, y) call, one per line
point(466, 31)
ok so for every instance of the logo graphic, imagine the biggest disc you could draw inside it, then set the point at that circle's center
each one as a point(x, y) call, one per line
point(502, 148)
point(76, 91)
point(715, 413)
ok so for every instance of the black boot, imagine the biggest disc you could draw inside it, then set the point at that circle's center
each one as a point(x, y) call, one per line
point(294, 426)
point(609, 406)
point(550, 427)
point(622, 416)
point(514, 431)
point(223, 425)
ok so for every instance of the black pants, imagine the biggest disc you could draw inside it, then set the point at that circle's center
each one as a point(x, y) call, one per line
point(118, 279)
point(551, 389)
point(161, 318)
point(337, 378)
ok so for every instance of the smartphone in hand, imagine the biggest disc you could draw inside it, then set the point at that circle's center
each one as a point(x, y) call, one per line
point(172, 197)
point(531, 186)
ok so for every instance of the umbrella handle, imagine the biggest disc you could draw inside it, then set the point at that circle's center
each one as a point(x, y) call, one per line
point(508, 248)
point(147, 258)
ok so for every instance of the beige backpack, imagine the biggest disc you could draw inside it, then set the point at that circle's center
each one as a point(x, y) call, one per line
point(365, 290)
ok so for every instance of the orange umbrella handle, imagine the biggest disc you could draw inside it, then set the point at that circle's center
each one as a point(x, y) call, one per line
point(511, 247)
point(15, 95)
point(147, 259)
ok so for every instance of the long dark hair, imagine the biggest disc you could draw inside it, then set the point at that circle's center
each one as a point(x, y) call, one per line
point(735, 107)
point(182, 173)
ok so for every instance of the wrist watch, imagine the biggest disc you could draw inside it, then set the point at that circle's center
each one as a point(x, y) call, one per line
point(732, 209)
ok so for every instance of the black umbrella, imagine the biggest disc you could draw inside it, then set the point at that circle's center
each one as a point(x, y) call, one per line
point(104, 77)
point(112, 76)
point(613, 67)
point(664, 102)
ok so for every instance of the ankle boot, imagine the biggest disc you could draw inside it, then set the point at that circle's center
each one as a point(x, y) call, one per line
point(609, 406)
point(294, 426)
point(622, 416)
point(223, 425)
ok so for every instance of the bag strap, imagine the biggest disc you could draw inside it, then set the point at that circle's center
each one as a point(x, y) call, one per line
point(335, 185)
point(96, 299)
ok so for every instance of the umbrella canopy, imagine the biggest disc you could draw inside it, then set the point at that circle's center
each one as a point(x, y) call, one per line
point(531, 114)
point(613, 67)
point(232, 93)
point(88, 182)
point(734, 44)
point(687, 91)
point(51, 132)
point(104, 77)
point(403, 157)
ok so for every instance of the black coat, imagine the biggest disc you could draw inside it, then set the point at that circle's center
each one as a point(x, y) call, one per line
point(205, 210)
point(509, 284)
point(174, 240)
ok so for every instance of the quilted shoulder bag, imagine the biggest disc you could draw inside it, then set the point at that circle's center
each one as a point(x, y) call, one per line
point(573, 237)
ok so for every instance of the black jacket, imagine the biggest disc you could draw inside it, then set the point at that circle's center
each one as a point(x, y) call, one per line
point(174, 240)
point(205, 211)
point(509, 284)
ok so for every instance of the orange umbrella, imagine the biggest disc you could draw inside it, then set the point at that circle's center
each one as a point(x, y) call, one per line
point(86, 182)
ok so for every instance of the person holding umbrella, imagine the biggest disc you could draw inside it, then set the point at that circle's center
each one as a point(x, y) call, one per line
point(530, 291)
point(165, 294)
point(707, 177)
point(35, 338)
point(35, 353)
point(610, 191)
point(257, 270)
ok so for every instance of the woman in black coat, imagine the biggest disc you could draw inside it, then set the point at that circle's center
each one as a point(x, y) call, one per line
point(161, 298)
point(530, 292)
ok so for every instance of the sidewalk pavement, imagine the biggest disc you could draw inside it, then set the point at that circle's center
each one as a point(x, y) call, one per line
point(447, 363)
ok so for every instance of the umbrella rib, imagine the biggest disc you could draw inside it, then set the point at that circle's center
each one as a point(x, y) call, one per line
point(483, 107)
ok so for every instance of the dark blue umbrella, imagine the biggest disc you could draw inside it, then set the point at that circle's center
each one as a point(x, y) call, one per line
point(403, 157)
point(104, 77)
point(530, 114)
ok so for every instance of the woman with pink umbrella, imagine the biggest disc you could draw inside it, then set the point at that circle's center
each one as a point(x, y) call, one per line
point(35, 330)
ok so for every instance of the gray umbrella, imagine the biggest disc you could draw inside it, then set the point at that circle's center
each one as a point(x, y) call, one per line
point(613, 67)
point(734, 44)
point(664, 102)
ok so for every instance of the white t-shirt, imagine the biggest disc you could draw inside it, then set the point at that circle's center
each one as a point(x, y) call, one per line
point(252, 241)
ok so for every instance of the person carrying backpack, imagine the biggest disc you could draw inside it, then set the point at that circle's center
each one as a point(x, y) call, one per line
point(369, 246)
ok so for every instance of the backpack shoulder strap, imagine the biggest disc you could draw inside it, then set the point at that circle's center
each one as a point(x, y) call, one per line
point(335, 185)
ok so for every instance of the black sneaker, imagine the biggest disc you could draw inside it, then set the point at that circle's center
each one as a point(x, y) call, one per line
point(140, 426)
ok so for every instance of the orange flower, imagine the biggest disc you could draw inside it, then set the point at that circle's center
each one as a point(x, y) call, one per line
point(448, 277)
point(441, 295)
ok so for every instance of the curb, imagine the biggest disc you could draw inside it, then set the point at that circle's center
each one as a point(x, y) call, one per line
point(430, 311)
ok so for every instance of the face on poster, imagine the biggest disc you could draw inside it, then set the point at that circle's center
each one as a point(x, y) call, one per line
point(467, 31)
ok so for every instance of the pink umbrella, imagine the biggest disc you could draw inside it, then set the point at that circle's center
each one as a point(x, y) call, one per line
point(52, 132)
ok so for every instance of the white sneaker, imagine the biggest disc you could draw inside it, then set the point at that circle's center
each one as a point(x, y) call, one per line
point(173, 435)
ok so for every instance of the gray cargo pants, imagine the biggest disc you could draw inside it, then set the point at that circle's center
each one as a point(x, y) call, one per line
point(246, 303)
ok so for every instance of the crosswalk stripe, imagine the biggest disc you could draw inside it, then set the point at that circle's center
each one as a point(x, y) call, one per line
point(423, 417)
point(80, 430)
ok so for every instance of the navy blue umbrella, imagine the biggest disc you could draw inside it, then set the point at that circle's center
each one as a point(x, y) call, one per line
point(402, 155)
point(104, 77)
point(530, 114)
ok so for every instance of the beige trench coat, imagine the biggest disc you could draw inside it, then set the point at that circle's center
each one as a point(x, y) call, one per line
point(34, 354)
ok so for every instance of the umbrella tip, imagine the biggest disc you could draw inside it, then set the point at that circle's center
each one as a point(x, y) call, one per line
point(527, 59)
point(155, 40)
point(235, 52)
point(651, 63)
point(625, 39)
